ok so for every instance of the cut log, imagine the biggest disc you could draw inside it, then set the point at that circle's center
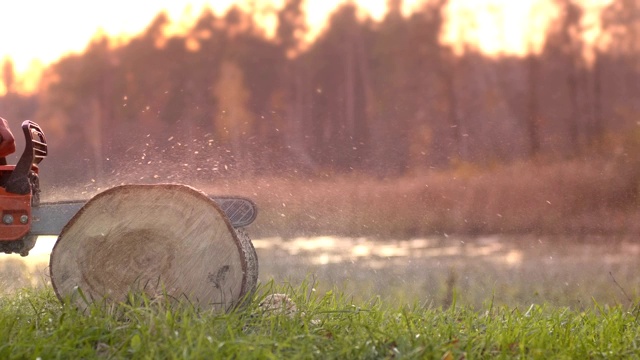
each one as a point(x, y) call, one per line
point(164, 240)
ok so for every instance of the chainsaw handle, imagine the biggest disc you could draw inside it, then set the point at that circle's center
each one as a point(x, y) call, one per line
point(3, 159)
point(36, 141)
point(7, 142)
point(35, 151)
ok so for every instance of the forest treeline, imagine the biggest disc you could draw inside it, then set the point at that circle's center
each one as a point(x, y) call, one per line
point(384, 98)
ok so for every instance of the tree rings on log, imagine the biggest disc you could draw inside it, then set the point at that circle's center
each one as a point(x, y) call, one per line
point(163, 240)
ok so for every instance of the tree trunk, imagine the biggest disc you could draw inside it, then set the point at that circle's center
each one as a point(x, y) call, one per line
point(574, 113)
point(533, 125)
point(597, 130)
point(163, 240)
point(455, 125)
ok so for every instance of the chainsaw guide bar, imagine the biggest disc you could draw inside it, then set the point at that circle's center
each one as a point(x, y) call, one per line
point(49, 218)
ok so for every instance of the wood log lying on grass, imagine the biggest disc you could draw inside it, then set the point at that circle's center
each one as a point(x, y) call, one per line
point(165, 240)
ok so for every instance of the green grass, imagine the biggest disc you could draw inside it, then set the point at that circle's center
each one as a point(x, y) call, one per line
point(34, 324)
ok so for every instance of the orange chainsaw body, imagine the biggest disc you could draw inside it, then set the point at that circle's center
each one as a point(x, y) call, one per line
point(15, 211)
point(19, 190)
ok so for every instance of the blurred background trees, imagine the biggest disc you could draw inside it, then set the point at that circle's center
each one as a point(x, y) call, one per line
point(385, 98)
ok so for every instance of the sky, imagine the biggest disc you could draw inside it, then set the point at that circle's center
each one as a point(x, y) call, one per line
point(35, 33)
point(44, 30)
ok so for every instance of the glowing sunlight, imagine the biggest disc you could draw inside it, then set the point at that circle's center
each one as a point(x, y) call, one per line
point(35, 33)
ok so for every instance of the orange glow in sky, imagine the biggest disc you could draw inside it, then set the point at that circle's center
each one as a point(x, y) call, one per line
point(35, 33)
point(511, 27)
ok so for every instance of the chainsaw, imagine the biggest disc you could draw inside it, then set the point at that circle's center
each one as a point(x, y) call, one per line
point(166, 233)
point(24, 218)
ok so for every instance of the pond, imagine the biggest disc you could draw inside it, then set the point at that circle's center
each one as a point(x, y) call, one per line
point(431, 271)
point(512, 270)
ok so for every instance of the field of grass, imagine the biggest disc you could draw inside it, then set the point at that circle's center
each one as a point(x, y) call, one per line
point(35, 325)
point(580, 196)
point(569, 197)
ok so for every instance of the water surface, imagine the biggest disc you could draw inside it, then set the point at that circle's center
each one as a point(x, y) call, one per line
point(511, 270)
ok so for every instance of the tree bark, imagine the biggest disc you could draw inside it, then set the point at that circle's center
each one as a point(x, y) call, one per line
point(597, 131)
point(533, 125)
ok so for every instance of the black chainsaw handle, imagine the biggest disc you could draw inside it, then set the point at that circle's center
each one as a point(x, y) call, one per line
point(35, 151)
point(3, 160)
point(7, 143)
